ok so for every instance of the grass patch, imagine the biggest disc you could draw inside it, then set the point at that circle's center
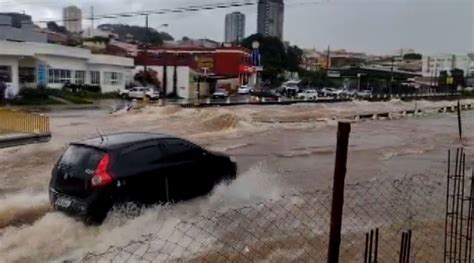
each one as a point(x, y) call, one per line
point(43, 97)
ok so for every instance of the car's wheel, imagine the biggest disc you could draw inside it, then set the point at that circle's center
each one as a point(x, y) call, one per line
point(124, 96)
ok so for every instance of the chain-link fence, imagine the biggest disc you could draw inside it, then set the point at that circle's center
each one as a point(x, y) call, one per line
point(296, 228)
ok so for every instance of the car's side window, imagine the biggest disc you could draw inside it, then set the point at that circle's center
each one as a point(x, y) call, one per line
point(142, 156)
point(181, 150)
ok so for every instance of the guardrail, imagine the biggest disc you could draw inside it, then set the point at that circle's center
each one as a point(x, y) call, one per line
point(14, 121)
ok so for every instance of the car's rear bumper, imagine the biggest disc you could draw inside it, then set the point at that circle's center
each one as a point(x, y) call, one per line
point(92, 209)
point(70, 205)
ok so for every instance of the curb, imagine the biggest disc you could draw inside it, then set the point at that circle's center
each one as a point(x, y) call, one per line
point(24, 139)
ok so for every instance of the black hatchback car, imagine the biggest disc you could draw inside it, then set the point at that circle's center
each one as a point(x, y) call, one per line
point(143, 168)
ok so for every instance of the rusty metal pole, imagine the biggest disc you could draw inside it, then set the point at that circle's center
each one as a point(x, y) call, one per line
point(459, 120)
point(343, 131)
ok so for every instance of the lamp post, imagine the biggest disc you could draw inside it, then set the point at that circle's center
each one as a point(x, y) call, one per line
point(147, 40)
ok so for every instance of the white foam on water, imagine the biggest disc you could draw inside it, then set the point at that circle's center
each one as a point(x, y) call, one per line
point(55, 236)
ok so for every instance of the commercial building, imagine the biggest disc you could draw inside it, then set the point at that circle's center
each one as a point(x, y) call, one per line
point(180, 70)
point(432, 65)
point(19, 27)
point(270, 18)
point(234, 27)
point(72, 16)
point(29, 65)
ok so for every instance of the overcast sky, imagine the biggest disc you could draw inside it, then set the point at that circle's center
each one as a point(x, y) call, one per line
point(373, 26)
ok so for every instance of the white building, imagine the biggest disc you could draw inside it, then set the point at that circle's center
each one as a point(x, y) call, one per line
point(186, 80)
point(27, 64)
point(72, 16)
point(234, 27)
point(434, 64)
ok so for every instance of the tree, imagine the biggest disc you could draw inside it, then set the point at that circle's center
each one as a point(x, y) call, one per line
point(185, 38)
point(138, 33)
point(52, 26)
point(294, 56)
point(412, 56)
point(275, 57)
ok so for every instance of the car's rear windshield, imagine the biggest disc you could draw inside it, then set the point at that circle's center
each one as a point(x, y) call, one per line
point(81, 161)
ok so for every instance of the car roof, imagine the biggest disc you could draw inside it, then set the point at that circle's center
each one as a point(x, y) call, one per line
point(119, 141)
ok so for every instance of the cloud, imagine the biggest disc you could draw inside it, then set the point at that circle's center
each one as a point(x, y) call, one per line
point(375, 26)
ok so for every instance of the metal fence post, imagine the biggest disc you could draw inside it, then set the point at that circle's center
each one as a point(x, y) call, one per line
point(343, 131)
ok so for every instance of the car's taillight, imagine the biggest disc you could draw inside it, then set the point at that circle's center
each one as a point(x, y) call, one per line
point(102, 176)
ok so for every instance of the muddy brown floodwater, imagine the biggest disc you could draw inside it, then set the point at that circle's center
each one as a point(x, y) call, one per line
point(279, 150)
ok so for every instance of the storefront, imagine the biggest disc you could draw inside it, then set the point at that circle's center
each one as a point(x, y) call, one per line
point(30, 65)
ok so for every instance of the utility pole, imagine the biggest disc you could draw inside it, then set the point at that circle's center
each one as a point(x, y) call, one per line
point(145, 61)
point(391, 75)
point(92, 20)
point(328, 57)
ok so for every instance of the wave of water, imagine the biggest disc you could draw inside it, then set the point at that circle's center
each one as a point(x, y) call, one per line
point(54, 236)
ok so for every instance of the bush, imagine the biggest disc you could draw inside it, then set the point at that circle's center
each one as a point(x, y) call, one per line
point(81, 87)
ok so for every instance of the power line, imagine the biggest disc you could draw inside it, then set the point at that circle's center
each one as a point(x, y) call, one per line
point(160, 11)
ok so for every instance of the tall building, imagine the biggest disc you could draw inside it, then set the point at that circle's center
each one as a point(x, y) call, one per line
point(234, 27)
point(270, 18)
point(72, 16)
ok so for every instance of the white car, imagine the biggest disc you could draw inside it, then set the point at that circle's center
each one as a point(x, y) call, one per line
point(220, 94)
point(244, 90)
point(140, 93)
point(309, 94)
point(331, 92)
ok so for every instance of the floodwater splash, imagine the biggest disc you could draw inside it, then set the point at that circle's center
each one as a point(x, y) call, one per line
point(54, 236)
point(23, 208)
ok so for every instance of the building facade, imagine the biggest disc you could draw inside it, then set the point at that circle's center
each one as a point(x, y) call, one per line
point(234, 27)
point(180, 69)
point(432, 65)
point(72, 16)
point(270, 18)
point(19, 27)
point(29, 65)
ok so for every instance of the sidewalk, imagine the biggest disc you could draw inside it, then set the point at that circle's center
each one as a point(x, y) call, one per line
point(17, 139)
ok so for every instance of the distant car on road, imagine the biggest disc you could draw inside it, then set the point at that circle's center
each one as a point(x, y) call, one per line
point(260, 94)
point(143, 168)
point(364, 94)
point(220, 94)
point(332, 92)
point(140, 93)
point(244, 90)
point(309, 94)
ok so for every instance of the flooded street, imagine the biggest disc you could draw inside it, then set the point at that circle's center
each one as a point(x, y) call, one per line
point(279, 150)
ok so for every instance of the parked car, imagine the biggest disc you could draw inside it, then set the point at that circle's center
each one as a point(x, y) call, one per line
point(140, 93)
point(350, 92)
point(364, 94)
point(143, 168)
point(258, 95)
point(244, 90)
point(309, 94)
point(220, 94)
point(290, 91)
point(332, 92)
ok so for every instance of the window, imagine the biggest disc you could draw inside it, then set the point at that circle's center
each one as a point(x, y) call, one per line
point(59, 76)
point(26, 75)
point(180, 149)
point(113, 78)
point(140, 157)
point(6, 72)
point(95, 77)
point(80, 77)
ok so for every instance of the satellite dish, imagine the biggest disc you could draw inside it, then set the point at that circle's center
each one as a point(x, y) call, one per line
point(255, 44)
